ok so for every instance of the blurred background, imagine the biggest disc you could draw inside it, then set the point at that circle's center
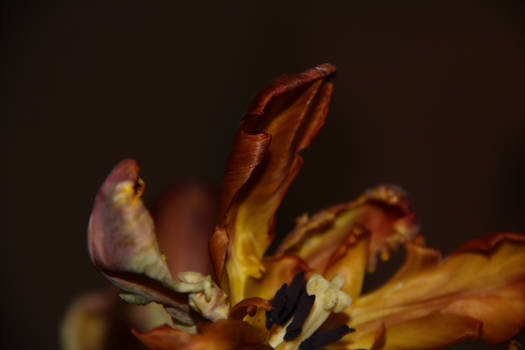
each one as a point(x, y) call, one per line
point(428, 96)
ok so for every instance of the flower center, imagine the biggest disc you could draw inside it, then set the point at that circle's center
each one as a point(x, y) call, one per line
point(204, 296)
point(298, 312)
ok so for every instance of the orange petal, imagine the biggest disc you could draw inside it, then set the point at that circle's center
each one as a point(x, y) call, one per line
point(122, 243)
point(477, 291)
point(281, 121)
point(333, 241)
point(222, 335)
point(184, 220)
point(434, 330)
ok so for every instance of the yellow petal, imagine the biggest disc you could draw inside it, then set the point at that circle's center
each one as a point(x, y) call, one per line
point(346, 238)
point(350, 260)
point(435, 330)
point(281, 121)
point(278, 271)
point(481, 283)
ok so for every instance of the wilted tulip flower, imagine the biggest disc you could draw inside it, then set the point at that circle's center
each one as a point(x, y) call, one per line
point(308, 294)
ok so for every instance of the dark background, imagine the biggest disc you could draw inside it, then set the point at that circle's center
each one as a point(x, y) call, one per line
point(428, 96)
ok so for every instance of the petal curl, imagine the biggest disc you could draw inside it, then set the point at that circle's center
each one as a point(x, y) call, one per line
point(122, 243)
point(282, 120)
point(222, 335)
point(346, 238)
point(478, 291)
point(249, 307)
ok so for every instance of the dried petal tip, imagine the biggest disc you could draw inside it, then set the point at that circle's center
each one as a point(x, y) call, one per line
point(121, 236)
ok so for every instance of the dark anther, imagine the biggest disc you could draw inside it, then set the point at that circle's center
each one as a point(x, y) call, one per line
point(324, 337)
point(278, 304)
point(301, 312)
point(285, 301)
point(292, 297)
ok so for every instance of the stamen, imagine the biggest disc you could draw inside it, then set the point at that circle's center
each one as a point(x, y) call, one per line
point(293, 293)
point(325, 337)
point(301, 313)
point(278, 303)
point(285, 302)
point(315, 305)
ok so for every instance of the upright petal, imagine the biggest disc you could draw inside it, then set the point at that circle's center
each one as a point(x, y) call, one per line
point(478, 291)
point(281, 121)
point(346, 238)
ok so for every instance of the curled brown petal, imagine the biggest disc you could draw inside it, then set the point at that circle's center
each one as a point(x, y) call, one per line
point(282, 120)
point(248, 307)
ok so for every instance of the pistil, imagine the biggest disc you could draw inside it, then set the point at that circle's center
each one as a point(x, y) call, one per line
point(204, 296)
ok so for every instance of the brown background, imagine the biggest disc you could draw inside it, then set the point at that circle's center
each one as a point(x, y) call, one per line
point(428, 96)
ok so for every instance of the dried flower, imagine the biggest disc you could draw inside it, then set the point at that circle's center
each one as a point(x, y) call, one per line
point(308, 294)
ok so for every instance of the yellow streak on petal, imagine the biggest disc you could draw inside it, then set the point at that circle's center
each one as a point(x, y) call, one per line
point(466, 289)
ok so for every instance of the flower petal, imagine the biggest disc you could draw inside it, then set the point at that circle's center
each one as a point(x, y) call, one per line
point(281, 121)
point(122, 243)
point(278, 271)
point(222, 335)
point(434, 330)
point(184, 220)
point(87, 321)
point(482, 283)
point(346, 238)
point(98, 321)
point(349, 261)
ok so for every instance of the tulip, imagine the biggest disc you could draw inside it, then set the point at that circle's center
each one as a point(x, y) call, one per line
point(308, 294)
